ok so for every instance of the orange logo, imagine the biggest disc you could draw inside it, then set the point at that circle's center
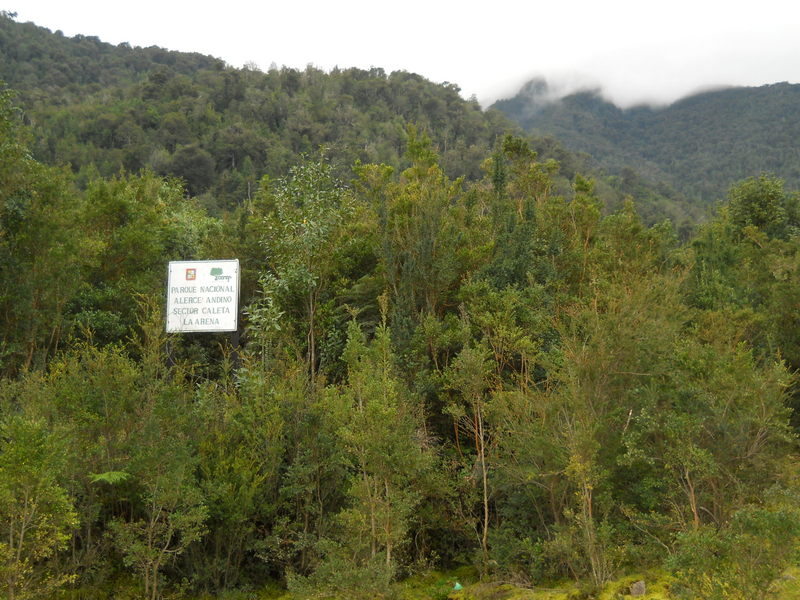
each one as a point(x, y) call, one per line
point(191, 274)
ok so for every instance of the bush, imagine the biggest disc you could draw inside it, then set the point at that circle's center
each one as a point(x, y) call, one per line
point(741, 560)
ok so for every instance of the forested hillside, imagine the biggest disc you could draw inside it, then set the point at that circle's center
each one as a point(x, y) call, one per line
point(491, 373)
point(107, 109)
point(697, 145)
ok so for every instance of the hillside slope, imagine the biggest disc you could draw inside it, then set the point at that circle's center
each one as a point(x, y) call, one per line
point(108, 109)
point(699, 145)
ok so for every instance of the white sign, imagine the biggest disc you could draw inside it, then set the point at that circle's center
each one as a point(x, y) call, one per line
point(202, 295)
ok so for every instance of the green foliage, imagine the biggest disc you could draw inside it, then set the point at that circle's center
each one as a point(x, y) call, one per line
point(36, 512)
point(302, 233)
point(138, 222)
point(110, 477)
point(44, 251)
point(745, 264)
point(740, 561)
point(73, 263)
point(219, 128)
point(434, 372)
point(239, 462)
point(759, 202)
point(390, 470)
point(697, 145)
point(338, 576)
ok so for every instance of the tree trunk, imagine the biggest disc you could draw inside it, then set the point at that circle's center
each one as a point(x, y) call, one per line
point(692, 499)
point(484, 476)
point(389, 530)
point(312, 357)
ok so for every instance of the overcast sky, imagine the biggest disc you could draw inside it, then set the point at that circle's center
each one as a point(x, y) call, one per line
point(636, 50)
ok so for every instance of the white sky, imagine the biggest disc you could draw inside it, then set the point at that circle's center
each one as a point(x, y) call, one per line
point(636, 50)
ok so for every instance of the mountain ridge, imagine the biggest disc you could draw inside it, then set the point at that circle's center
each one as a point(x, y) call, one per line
point(93, 105)
point(699, 144)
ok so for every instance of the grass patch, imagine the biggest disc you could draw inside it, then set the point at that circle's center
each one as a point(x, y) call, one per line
point(439, 585)
point(787, 586)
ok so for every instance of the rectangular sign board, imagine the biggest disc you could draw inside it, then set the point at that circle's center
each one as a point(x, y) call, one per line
point(202, 295)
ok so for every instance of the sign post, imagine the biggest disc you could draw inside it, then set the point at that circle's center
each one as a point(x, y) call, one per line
point(203, 296)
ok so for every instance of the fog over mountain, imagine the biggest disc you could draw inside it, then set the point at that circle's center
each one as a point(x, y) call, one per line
point(624, 93)
point(698, 144)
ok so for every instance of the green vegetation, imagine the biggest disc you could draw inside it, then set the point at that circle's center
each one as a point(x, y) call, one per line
point(698, 145)
point(492, 380)
point(103, 109)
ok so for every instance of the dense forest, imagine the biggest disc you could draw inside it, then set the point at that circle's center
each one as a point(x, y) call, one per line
point(102, 109)
point(454, 356)
point(697, 145)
